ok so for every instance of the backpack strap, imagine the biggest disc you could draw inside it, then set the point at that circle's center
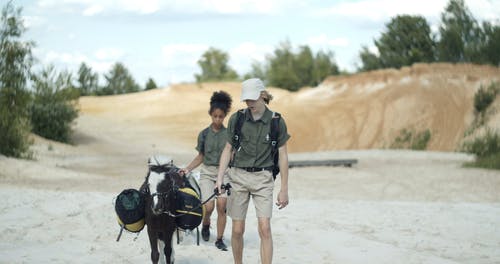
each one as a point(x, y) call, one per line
point(204, 134)
point(275, 130)
point(274, 134)
point(240, 119)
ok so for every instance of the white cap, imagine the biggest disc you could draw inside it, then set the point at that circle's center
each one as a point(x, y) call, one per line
point(251, 88)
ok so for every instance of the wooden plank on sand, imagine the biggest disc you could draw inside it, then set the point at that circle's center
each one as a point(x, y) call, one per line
point(315, 163)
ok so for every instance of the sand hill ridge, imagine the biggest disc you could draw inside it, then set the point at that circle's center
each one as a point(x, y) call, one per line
point(361, 111)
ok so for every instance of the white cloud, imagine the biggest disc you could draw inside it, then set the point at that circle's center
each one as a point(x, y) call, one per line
point(184, 55)
point(93, 10)
point(94, 7)
point(71, 61)
point(109, 54)
point(485, 9)
point(324, 41)
point(34, 21)
point(246, 53)
point(64, 57)
point(381, 10)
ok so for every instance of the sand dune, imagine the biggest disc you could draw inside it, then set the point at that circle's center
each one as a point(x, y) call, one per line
point(394, 206)
point(362, 111)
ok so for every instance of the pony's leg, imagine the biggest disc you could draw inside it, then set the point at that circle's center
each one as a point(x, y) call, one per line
point(161, 246)
point(169, 247)
point(153, 241)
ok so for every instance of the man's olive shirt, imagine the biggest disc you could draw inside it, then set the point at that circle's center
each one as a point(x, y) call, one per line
point(255, 144)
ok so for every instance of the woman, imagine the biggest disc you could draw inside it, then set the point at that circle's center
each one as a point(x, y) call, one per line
point(211, 142)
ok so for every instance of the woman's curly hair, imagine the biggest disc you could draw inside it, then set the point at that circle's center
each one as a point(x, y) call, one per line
point(220, 100)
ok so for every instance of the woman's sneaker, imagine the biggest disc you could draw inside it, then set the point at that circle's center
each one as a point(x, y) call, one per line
point(205, 232)
point(220, 244)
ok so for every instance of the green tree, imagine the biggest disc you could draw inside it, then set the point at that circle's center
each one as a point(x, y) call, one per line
point(324, 66)
point(15, 70)
point(292, 71)
point(214, 66)
point(150, 84)
point(54, 105)
point(460, 34)
point(304, 66)
point(119, 81)
point(258, 71)
point(491, 47)
point(406, 41)
point(281, 71)
point(369, 60)
point(87, 81)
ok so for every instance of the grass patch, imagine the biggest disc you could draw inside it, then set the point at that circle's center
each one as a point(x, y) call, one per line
point(409, 139)
point(486, 149)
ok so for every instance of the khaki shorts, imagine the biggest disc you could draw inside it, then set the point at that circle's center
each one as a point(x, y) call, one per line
point(258, 185)
point(208, 178)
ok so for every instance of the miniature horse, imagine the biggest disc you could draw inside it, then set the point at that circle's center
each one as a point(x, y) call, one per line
point(159, 189)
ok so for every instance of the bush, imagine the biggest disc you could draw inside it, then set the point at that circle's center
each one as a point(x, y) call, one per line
point(488, 162)
point(14, 135)
point(486, 149)
point(409, 139)
point(53, 109)
point(487, 145)
point(15, 67)
point(485, 96)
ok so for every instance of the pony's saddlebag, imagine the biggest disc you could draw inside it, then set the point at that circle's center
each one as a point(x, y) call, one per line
point(188, 210)
point(130, 209)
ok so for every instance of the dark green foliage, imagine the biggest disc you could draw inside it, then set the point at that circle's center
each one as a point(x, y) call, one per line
point(324, 66)
point(490, 51)
point(488, 162)
point(150, 84)
point(486, 149)
point(484, 146)
point(485, 96)
point(461, 38)
point(292, 71)
point(460, 34)
point(214, 67)
point(281, 72)
point(407, 40)
point(54, 105)
point(119, 81)
point(258, 71)
point(304, 65)
point(409, 139)
point(87, 81)
point(369, 60)
point(15, 66)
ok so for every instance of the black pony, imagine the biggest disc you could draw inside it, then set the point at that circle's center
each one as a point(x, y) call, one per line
point(159, 189)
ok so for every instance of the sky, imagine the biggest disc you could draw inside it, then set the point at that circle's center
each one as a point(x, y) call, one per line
point(164, 39)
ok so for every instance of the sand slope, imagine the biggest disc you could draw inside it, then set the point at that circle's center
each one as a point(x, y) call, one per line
point(362, 111)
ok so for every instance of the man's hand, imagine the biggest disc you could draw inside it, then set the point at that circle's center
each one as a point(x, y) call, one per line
point(282, 199)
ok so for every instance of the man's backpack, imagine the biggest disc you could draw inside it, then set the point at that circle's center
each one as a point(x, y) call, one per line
point(274, 134)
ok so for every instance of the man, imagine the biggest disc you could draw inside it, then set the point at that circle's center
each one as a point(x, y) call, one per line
point(251, 169)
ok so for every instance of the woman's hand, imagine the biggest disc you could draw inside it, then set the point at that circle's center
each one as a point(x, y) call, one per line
point(184, 171)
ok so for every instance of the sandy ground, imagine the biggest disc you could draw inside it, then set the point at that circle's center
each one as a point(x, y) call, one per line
point(394, 206)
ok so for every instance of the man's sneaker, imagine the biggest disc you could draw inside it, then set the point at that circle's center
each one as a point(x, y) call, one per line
point(220, 244)
point(205, 232)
